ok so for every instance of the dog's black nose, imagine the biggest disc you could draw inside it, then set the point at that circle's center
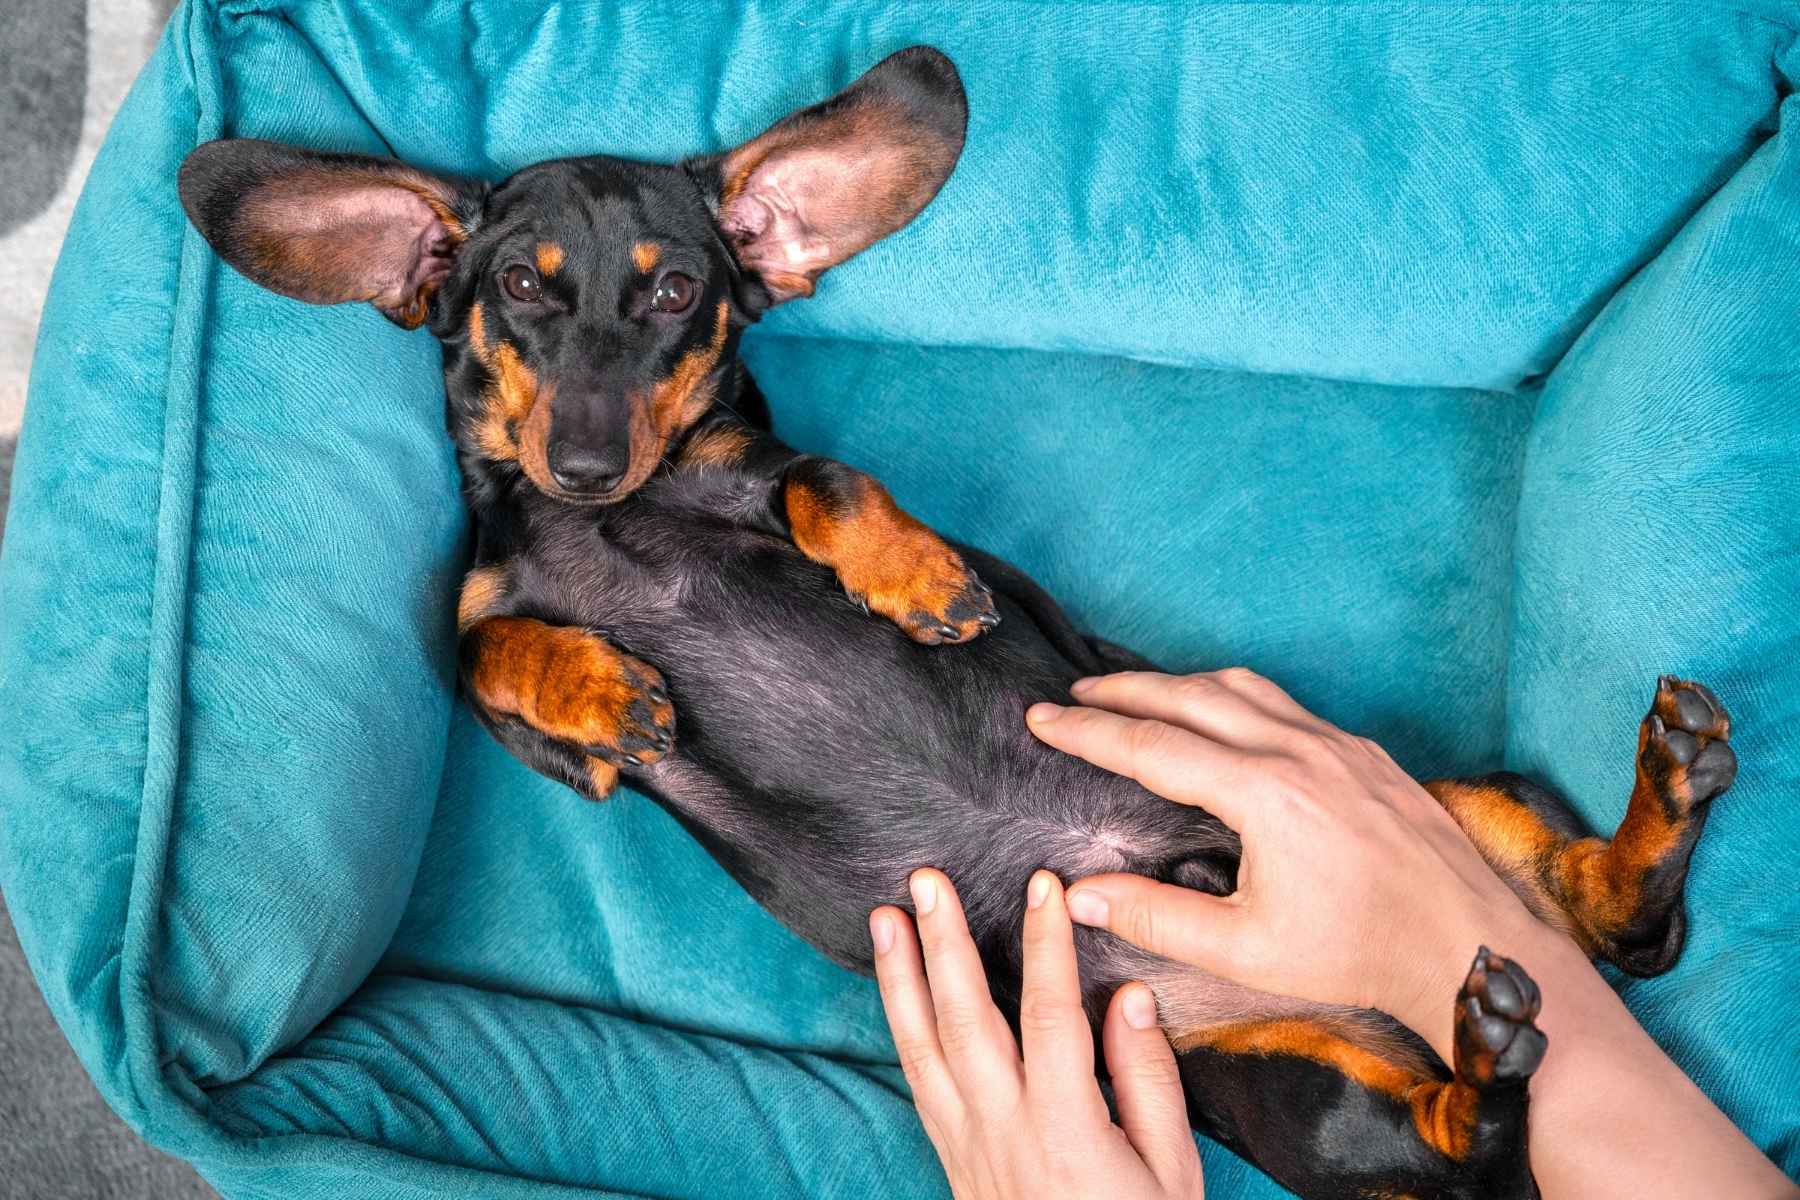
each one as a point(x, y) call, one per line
point(585, 469)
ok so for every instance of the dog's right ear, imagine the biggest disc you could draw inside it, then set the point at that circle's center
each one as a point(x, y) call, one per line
point(326, 228)
point(826, 182)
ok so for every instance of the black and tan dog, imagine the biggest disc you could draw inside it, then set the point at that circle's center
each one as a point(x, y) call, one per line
point(644, 551)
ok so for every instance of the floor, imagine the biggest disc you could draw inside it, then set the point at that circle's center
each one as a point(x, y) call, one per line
point(64, 68)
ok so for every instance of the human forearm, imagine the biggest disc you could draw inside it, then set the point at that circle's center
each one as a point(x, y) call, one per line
point(1611, 1115)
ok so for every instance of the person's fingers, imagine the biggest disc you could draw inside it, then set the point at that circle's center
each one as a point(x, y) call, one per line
point(1053, 1026)
point(1210, 932)
point(1233, 707)
point(1268, 695)
point(906, 998)
point(1171, 762)
point(977, 1043)
point(1147, 1087)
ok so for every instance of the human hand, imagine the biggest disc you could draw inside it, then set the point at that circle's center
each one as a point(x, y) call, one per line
point(1355, 886)
point(1006, 1127)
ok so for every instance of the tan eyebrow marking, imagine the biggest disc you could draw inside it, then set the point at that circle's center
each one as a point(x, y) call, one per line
point(549, 257)
point(645, 255)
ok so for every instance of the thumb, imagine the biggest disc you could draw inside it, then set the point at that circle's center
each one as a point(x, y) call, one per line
point(1176, 922)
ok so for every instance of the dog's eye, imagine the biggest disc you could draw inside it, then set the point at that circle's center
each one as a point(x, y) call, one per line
point(674, 293)
point(522, 283)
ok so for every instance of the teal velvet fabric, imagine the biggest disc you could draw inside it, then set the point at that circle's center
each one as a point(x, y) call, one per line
point(1437, 359)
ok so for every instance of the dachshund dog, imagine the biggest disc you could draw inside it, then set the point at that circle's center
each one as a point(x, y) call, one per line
point(659, 591)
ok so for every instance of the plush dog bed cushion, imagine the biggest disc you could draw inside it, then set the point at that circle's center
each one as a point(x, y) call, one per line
point(1437, 359)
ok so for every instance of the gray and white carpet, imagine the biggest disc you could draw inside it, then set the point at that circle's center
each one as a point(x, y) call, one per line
point(64, 68)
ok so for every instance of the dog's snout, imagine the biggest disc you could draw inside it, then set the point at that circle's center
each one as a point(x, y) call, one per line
point(588, 470)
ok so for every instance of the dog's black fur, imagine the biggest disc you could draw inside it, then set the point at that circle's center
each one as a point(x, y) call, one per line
point(659, 589)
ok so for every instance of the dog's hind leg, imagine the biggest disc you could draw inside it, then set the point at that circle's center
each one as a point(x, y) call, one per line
point(1621, 899)
point(1332, 1119)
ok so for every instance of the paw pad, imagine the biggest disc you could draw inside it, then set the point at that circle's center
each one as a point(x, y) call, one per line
point(1685, 740)
point(1496, 1037)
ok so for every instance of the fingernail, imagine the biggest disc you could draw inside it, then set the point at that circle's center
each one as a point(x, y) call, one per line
point(1089, 908)
point(881, 927)
point(1038, 889)
point(1139, 1006)
point(1040, 714)
point(1083, 684)
point(924, 893)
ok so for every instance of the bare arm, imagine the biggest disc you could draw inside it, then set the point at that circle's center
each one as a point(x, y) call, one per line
point(1611, 1115)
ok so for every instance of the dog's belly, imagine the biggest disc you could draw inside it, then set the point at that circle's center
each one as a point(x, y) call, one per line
point(821, 757)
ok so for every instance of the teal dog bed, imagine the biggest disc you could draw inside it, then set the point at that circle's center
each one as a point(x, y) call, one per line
point(1439, 360)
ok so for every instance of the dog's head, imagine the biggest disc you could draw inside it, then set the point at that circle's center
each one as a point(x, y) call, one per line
point(589, 307)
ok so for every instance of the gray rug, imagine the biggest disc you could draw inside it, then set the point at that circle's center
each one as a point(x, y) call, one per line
point(64, 67)
point(58, 1140)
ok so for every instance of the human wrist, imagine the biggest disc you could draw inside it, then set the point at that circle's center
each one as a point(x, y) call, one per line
point(1446, 950)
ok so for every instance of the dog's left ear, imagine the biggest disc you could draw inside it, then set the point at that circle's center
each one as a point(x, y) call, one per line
point(828, 181)
point(327, 228)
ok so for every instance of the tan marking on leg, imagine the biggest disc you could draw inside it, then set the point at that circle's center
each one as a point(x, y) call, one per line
point(897, 565)
point(1443, 1112)
point(1602, 880)
point(1513, 839)
point(1298, 1037)
point(482, 589)
point(603, 775)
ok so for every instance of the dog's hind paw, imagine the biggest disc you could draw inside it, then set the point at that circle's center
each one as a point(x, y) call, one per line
point(1496, 1039)
point(1685, 753)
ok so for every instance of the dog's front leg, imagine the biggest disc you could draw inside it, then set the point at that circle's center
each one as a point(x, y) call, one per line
point(563, 699)
point(888, 561)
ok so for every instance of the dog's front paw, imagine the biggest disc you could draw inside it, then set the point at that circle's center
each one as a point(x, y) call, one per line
point(934, 599)
point(572, 685)
point(616, 708)
point(888, 561)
